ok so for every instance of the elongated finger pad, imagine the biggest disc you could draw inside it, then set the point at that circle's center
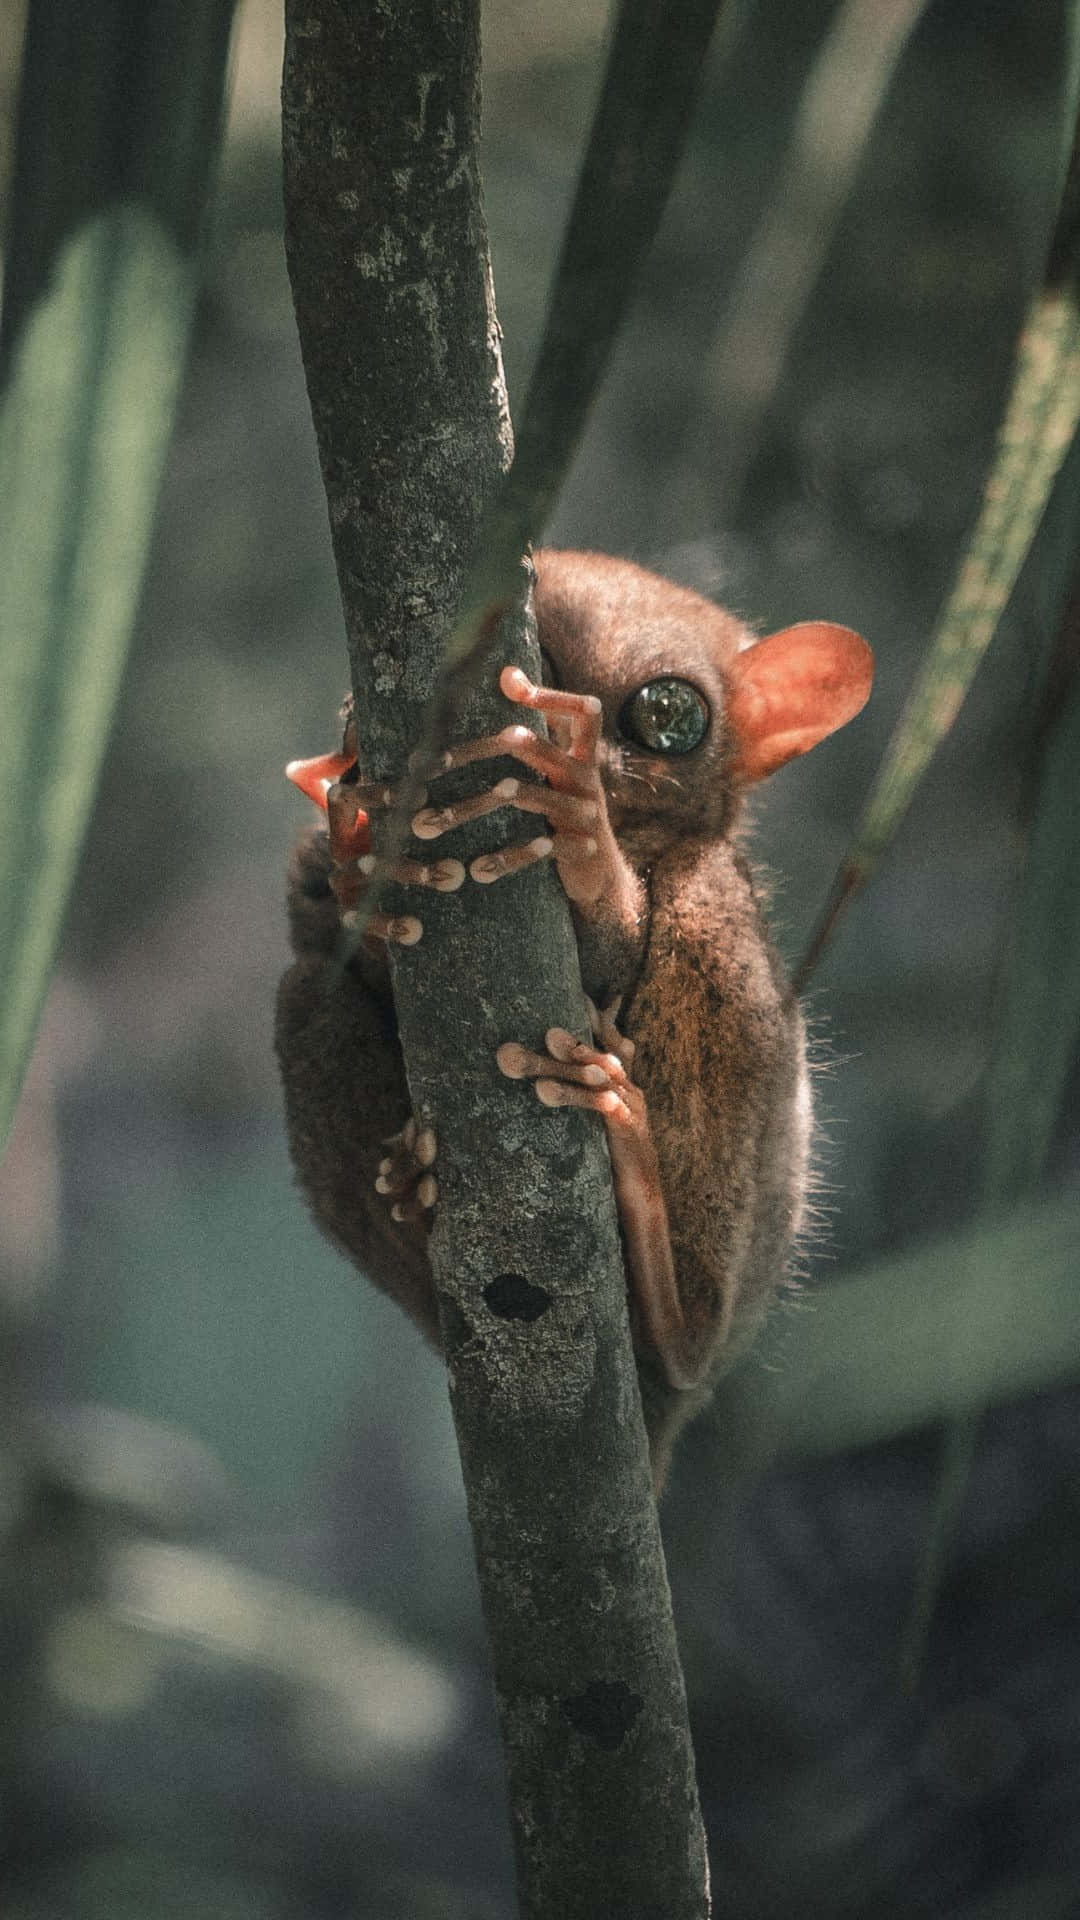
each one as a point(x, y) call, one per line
point(513, 1060)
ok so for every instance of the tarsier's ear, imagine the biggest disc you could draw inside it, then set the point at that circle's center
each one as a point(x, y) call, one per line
point(314, 776)
point(791, 690)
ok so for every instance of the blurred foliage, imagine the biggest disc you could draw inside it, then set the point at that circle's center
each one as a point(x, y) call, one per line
point(1036, 1044)
point(922, 1337)
point(118, 115)
point(184, 1764)
point(840, 100)
point(1035, 437)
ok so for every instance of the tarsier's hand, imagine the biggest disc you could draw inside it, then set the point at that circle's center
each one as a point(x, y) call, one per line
point(332, 781)
point(405, 1177)
point(572, 801)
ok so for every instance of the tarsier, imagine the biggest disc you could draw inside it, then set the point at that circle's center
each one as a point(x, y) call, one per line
point(661, 711)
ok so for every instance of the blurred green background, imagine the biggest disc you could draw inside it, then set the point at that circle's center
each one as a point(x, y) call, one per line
point(244, 1667)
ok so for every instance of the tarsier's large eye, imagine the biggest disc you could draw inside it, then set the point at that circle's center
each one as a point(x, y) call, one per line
point(666, 716)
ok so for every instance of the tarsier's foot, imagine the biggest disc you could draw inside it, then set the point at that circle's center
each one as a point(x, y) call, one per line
point(332, 780)
point(572, 801)
point(405, 1176)
point(573, 1074)
point(606, 1033)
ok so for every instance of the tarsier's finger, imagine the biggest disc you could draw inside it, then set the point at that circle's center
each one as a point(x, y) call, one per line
point(562, 1093)
point(566, 811)
point(372, 794)
point(347, 820)
point(430, 822)
point(521, 743)
point(396, 1175)
point(575, 850)
point(569, 813)
point(315, 777)
point(404, 929)
point(520, 1063)
point(573, 1074)
point(563, 1048)
point(446, 876)
point(418, 1203)
point(398, 1179)
point(412, 1149)
point(404, 1174)
point(606, 1033)
point(583, 710)
point(347, 805)
point(393, 1176)
point(495, 866)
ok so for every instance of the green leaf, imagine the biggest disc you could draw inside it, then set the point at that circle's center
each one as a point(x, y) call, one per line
point(83, 434)
point(1035, 436)
point(977, 1317)
point(98, 297)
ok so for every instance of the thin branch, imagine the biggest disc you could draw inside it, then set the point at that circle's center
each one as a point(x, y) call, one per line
point(387, 253)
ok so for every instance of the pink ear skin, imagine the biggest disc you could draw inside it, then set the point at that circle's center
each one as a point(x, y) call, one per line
point(313, 777)
point(792, 690)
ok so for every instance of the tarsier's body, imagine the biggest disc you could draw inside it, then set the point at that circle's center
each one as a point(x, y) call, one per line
point(663, 713)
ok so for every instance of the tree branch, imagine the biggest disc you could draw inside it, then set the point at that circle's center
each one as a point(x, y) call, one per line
point(388, 258)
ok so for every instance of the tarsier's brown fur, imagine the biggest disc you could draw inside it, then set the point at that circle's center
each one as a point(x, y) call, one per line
point(678, 937)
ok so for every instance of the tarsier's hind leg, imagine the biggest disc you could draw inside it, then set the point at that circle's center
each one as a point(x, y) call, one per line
point(573, 1074)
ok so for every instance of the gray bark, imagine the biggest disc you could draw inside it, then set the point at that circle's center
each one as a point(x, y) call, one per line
point(388, 258)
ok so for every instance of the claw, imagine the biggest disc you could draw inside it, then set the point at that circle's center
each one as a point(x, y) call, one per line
point(313, 777)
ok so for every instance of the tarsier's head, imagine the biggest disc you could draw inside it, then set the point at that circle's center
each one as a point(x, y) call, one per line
point(695, 709)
